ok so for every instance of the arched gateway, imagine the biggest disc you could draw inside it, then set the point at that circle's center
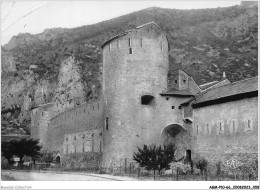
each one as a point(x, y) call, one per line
point(177, 135)
point(58, 159)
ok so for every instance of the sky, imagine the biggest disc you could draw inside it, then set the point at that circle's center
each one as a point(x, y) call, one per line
point(36, 16)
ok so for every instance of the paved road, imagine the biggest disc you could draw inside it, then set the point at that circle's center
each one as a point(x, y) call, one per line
point(50, 176)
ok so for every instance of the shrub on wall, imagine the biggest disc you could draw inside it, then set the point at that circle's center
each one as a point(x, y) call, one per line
point(46, 156)
point(4, 163)
point(201, 163)
point(181, 167)
point(196, 171)
point(250, 168)
point(169, 173)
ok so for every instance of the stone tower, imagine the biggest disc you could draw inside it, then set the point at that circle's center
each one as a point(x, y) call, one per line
point(135, 68)
point(40, 120)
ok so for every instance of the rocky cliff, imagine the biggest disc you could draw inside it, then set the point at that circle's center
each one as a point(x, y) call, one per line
point(65, 65)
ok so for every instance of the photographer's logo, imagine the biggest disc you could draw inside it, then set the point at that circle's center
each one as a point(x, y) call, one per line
point(232, 163)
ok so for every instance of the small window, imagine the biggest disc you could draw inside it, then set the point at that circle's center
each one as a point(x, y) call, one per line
point(130, 51)
point(129, 42)
point(141, 42)
point(172, 107)
point(249, 124)
point(233, 126)
point(207, 131)
point(147, 100)
point(75, 138)
point(106, 123)
point(179, 107)
point(175, 81)
point(167, 98)
point(197, 129)
point(184, 81)
point(83, 147)
point(220, 127)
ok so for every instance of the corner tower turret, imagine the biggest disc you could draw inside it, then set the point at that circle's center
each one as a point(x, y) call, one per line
point(178, 79)
point(135, 67)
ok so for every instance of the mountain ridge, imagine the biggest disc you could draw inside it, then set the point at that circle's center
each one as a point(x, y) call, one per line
point(204, 42)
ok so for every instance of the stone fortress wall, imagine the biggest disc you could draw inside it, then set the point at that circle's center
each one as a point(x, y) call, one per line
point(77, 130)
point(77, 134)
point(227, 130)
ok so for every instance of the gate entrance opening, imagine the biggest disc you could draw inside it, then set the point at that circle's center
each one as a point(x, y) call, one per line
point(57, 160)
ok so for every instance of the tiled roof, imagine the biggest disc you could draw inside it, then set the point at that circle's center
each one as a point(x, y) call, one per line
point(207, 85)
point(239, 87)
point(176, 69)
point(127, 31)
point(173, 91)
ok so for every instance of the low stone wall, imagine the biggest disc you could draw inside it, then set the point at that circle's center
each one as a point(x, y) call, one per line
point(85, 161)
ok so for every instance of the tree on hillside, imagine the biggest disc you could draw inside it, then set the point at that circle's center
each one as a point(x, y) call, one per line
point(21, 148)
point(32, 148)
point(155, 157)
point(7, 151)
